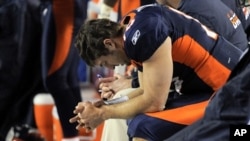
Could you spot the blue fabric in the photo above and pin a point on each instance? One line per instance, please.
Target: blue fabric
(218, 17)
(151, 129)
(83, 71)
(230, 106)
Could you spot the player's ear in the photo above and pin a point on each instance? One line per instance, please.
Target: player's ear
(108, 43)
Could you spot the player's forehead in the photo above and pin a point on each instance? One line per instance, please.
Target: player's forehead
(102, 60)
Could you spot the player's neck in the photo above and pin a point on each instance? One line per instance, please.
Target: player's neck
(173, 3)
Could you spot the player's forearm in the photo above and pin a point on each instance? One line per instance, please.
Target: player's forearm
(135, 93)
(134, 106)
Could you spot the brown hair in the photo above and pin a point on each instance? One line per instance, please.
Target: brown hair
(89, 40)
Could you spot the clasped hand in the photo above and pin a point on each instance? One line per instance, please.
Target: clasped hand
(88, 115)
(111, 85)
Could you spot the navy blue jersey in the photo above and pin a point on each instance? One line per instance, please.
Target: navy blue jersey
(219, 18)
(202, 59)
(242, 12)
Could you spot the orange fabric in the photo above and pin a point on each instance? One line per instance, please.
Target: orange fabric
(184, 115)
(96, 1)
(99, 132)
(57, 129)
(44, 122)
(116, 7)
(212, 71)
(128, 5)
(130, 69)
(133, 62)
(64, 16)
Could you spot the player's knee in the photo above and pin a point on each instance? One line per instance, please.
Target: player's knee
(137, 129)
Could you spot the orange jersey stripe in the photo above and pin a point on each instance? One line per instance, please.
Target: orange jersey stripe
(134, 63)
(211, 71)
(63, 15)
(186, 114)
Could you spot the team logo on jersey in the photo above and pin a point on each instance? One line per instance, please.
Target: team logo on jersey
(135, 37)
(246, 12)
(234, 19)
(177, 85)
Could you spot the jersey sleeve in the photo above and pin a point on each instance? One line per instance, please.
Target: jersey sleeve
(144, 36)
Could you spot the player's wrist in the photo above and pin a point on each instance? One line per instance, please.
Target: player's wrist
(105, 114)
